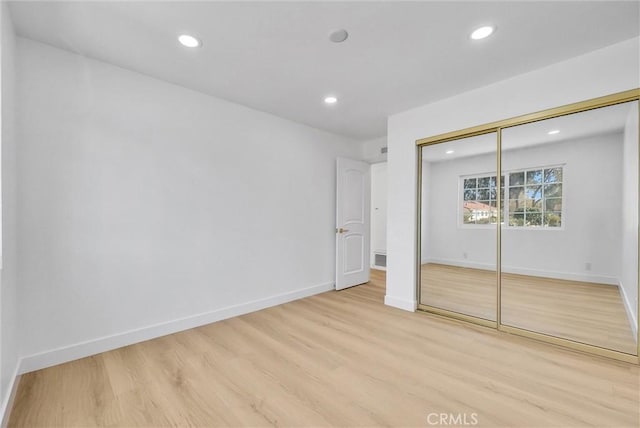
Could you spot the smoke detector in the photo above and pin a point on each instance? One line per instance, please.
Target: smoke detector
(338, 36)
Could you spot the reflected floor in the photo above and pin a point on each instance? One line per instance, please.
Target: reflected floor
(463, 290)
(581, 311)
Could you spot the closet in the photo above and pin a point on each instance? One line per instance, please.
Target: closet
(530, 225)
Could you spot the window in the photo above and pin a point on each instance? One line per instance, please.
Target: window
(534, 198)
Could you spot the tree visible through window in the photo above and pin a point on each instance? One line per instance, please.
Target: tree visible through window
(534, 198)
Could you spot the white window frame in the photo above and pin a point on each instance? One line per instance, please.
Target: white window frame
(505, 205)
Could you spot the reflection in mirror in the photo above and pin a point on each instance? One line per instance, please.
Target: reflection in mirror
(570, 231)
(458, 226)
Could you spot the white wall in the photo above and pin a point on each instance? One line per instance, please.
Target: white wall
(589, 205)
(378, 210)
(629, 280)
(605, 71)
(147, 208)
(371, 150)
(8, 275)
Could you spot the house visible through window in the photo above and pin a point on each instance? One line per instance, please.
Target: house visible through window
(479, 200)
(534, 198)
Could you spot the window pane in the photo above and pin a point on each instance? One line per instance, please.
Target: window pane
(516, 193)
(483, 194)
(483, 208)
(534, 192)
(479, 212)
(467, 217)
(534, 177)
(492, 181)
(484, 181)
(553, 204)
(502, 181)
(553, 175)
(533, 218)
(483, 219)
(516, 219)
(469, 183)
(534, 205)
(552, 190)
(553, 219)
(516, 206)
(470, 195)
(516, 178)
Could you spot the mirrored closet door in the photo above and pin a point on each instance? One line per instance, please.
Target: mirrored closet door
(458, 227)
(530, 225)
(569, 239)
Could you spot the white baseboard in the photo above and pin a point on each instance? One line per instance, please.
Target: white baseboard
(570, 276)
(407, 305)
(92, 347)
(461, 263)
(7, 403)
(628, 306)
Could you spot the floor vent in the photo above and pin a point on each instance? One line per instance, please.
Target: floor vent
(380, 259)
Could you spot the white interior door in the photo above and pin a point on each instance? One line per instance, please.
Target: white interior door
(352, 223)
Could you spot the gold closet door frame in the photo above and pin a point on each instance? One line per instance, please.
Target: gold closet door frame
(497, 127)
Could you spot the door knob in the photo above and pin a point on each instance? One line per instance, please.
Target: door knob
(341, 230)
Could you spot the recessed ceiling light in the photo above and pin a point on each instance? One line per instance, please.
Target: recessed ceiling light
(554, 132)
(482, 32)
(338, 36)
(449, 152)
(330, 100)
(189, 41)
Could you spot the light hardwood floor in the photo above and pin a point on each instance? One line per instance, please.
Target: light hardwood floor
(580, 311)
(335, 359)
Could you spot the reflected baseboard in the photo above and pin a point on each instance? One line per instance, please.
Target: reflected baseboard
(630, 312)
(461, 263)
(569, 276)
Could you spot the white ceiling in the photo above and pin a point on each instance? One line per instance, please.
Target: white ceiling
(599, 121)
(276, 56)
